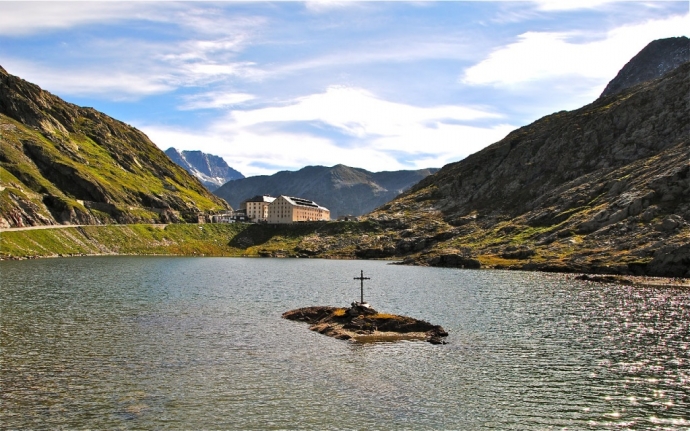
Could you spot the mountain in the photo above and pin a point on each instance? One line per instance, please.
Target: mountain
(341, 189)
(61, 163)
(601, 189)
(655, 60)
(211, 170)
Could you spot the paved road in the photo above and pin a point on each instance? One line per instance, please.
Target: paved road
(60, 226)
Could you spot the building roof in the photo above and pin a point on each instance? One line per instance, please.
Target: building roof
(303, 202)
(261, 198)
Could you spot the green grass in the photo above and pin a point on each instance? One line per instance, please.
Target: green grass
(236, 239)
(125, 167)
(127, 239)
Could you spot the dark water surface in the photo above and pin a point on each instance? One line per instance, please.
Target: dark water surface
(198, 343)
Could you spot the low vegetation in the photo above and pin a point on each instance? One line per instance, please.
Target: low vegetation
(60, 163)
(237, 239)
(140, 239)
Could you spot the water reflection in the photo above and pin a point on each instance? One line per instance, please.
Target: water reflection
(199, 343)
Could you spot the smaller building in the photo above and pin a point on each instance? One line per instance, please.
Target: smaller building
(347, 218)
(256, 208)
(288, 209)
(240, 215)
(224, 217)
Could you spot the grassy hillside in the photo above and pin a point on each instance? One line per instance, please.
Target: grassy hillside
(299, 240)
(60, 163)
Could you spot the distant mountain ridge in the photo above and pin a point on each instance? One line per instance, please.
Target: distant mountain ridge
(654, 61)
(61, 163)
(211, 170)
(342, 189)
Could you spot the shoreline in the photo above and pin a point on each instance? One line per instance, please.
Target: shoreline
(622, 280)
(232, 240)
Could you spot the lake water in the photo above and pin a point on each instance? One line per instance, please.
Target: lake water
(198, 343)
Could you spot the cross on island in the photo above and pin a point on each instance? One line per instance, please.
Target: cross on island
(361, 278)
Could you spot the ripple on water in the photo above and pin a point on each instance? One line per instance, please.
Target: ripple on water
(132, 342)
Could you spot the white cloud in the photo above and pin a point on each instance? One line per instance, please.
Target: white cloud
(447, 142)
(386, 135)
(210, 19)
(388, 51)
(133, 65)
(355, 112)
(126, 69)
(263, 154)
(322, 6)
(214, 100)
(21, 18)
(555, 5)
(119, 85)
(199, 71)
(540, 56)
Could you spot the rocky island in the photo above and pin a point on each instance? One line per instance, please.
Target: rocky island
(363, 324)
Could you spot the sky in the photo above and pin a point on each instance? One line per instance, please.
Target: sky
(385, 85)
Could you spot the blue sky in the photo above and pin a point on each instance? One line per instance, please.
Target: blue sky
(275, 86)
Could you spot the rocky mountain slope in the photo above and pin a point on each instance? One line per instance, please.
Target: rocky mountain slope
(61, 163)
(211, 170)
(341, 189)
(654, 61)
(603, 189)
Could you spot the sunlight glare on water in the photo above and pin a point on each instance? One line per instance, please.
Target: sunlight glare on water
(191, 343)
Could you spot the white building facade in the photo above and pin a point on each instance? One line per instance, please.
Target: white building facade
(287, 209)
(257, 208)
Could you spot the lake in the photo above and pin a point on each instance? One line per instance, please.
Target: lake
(198, 343)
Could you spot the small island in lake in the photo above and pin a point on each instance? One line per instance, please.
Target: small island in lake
(362, 323)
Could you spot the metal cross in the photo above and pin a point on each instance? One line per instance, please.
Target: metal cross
(361, 278)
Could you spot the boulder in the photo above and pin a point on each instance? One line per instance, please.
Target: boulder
(454, 261)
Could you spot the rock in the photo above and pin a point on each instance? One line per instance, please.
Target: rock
(671, 260)
(309, 314)
(359, 309)
(211, 170)
(407, 245)
(670, 223)
(360, 322)
(436, 340)
(375, 252)
(649, 214)
(656, 59)
(455, 261)
(517, 253)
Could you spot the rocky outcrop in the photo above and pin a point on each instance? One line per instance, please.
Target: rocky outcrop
(211, 170)
(341, 189)
(364, 324)
(604, 189)
(61, 163)
(654, 61)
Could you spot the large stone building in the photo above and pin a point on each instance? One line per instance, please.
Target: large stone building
(286, 209)
(257, 208)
